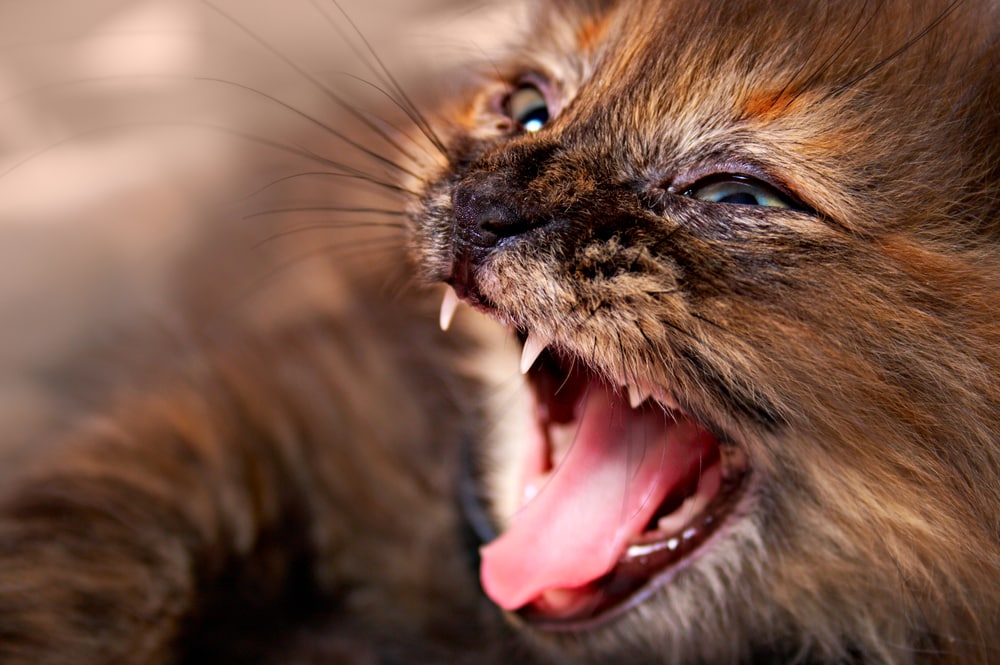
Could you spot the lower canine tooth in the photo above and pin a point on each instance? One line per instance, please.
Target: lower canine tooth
(708, 487)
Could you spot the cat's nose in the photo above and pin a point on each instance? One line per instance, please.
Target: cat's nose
(487, 208)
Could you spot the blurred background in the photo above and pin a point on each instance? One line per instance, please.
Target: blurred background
(124, 123)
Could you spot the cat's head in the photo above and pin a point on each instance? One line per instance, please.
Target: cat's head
(750, 251)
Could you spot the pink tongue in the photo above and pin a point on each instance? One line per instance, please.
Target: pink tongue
(620, 468)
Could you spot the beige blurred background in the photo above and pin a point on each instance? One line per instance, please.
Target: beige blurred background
(108, 159)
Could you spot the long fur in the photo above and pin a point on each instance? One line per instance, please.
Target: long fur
(283, 487)
(851, 348)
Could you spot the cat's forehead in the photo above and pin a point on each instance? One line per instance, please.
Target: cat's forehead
(666, 77)
(636, 61)
(705, 51)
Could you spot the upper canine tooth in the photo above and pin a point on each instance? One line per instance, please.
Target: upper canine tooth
(637, 395)
(533, 347)
(448, 307)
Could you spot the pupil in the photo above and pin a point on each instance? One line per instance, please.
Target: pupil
(744, 198)
(535, 118)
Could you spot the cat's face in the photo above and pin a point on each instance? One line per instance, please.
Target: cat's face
(751, 245)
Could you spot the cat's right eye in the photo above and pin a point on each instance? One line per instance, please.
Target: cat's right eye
(739, 190)
(528, 107)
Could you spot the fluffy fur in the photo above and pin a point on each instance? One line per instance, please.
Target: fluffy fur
(851, 349)
(304, 471)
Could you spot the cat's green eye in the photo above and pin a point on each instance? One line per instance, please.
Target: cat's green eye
(527, 106)
(739, 190)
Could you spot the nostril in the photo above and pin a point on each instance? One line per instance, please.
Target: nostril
(487, 210)
(479, 215)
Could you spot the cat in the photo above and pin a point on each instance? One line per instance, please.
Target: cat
(747, 254)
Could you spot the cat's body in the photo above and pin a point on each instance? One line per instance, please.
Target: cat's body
(822, 333)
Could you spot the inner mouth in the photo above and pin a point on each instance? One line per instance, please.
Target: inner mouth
(619, 488)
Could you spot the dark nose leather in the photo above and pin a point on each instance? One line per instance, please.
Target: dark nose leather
(488, 209)
(491, 204)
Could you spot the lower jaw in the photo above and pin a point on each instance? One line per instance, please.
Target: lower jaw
(649, 563)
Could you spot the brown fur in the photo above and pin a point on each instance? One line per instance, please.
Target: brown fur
(284, 489)
(200, 522)
(851, 350)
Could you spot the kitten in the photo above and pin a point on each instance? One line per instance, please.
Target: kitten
(751, 252)
(749, 255)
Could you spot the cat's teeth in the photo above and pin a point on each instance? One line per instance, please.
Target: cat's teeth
(638, 394)
(641, 391)
(533, 347)
(448, 307)
(665, 399)
(708, 487)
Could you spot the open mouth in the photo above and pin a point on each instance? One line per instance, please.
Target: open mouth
(619, 489)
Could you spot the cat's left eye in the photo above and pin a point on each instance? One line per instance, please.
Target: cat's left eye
(740, 190)
(527, 106)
